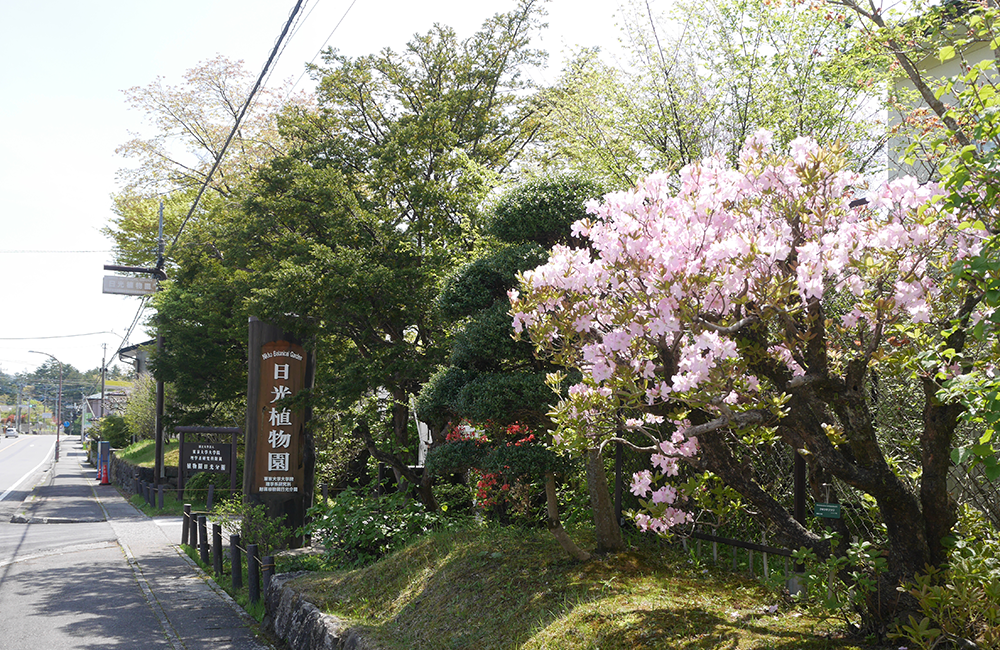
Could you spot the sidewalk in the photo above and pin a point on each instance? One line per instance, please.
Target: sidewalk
(193, 612)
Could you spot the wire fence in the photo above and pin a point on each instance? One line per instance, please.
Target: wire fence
(896, 406)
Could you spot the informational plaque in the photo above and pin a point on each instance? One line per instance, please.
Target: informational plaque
(207, 457)
(278, 464)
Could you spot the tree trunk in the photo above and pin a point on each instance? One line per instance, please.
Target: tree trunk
(606, 528)
(423, 481)
(555, 524)
(400, 421)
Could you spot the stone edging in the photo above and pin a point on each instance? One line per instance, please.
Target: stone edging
(300, 623)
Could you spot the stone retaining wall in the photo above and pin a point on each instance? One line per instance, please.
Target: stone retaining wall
(300, 623)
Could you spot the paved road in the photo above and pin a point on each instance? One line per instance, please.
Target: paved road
(80, 568)
(21, 460)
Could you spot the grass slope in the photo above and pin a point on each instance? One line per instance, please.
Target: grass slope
(143, 453)
(504, 588)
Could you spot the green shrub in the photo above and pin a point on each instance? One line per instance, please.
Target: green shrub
(113, 429)
(196, 486)
(453, 498)
(357, 530)
(961, 602)
(252, 524)
(840, 584)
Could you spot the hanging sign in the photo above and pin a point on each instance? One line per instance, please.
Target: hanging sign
(828, 510)
(129, 286)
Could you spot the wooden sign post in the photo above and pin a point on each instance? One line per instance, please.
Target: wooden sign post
(279, 466)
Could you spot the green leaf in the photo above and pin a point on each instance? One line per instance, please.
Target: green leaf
(946, 52)
(991, 468)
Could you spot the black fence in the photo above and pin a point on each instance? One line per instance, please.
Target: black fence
(260, 570)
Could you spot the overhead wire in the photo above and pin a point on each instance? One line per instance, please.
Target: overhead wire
(321, 48)
(61, 336)
(138, 313)
(59, 252)
(299, 21)
(239, 120)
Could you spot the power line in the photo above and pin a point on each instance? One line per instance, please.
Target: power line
(296, 26)
(57, 252)
(322, 46)
(62, 336)
(138, 313)
(239, 119)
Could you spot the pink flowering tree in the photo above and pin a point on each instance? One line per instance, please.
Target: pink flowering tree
(753, 304)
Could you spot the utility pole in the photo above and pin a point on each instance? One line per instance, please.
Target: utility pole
(157, 272)
(17, 421)
(104, 373)
(159, 471)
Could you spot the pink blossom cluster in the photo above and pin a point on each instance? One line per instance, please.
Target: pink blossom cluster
(679, 271)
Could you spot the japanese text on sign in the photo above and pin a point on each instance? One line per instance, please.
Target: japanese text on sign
(278, 454)
(207, 457)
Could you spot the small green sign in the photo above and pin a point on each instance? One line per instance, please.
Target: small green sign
(828, 510)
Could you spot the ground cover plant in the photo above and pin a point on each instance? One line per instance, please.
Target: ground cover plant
(143, 453)
(500, 588)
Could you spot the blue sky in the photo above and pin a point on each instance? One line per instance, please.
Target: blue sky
(65, 63)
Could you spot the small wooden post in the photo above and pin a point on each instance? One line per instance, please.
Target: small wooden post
(217, 549)
(159, 496)
(763, 541)
(235, 558)
(185, 522)
(253, 573)
(268, 567)
(193, 543)
(203, 538)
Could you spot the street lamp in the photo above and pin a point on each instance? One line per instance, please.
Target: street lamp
(58, 398)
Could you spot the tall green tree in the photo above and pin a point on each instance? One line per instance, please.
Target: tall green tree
(954, 132)
(701, 79)
(200, 310)
(354, 230)
(490, 376)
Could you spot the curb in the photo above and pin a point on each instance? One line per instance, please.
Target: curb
(21, 519)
